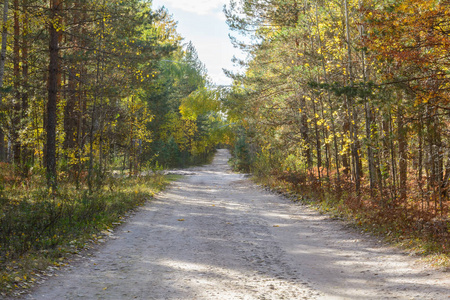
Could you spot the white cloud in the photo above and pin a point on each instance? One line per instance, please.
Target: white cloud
(200, 7)
(203, 23)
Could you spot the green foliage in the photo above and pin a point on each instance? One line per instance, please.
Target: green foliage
(189, 121)
(242, 158)
(360, 90)
(168, 153)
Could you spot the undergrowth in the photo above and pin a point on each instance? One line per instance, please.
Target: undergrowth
(428, 238)
(40, 230)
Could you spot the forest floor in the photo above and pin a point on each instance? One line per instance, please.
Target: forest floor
(216, 235)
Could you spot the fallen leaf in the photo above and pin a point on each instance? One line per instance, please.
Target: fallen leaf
(181, 220)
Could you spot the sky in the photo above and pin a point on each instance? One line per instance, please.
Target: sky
(203, 23)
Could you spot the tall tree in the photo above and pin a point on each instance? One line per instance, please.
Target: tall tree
(2, 70)
(54, 28)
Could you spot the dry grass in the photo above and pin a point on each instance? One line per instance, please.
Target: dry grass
(40, 230)
(421, 226)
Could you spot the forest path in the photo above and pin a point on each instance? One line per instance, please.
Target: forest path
(216, 235)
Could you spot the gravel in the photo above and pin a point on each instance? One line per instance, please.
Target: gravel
(216, 235)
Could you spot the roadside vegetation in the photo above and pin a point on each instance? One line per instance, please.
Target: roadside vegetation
(344, 104)
(40, 231)
(428, 241)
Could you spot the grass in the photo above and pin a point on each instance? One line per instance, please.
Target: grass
(40, 230)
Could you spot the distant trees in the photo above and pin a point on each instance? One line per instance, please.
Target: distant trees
(188, 123)
(348, 96)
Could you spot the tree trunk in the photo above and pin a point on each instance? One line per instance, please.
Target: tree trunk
(385, 160)
(71, 117)
(402, 148)
(393, 161)
(15, 124)
(304, 131)
(420, 150)
(26, 153)
(445, 181)
(318, 145)
(53, 79)
(2, 70)
(420, 160)
(345, 160)
(4, 43)
(351, 108)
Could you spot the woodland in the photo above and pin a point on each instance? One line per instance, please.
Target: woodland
(97, 97)
(343, 104)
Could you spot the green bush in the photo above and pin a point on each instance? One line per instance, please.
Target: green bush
(242, 159)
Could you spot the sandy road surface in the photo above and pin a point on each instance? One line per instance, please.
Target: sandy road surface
(215, 235)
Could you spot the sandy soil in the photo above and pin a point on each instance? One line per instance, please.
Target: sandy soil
(215, 235)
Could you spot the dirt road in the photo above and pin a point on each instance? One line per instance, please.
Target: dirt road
(215, 235)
